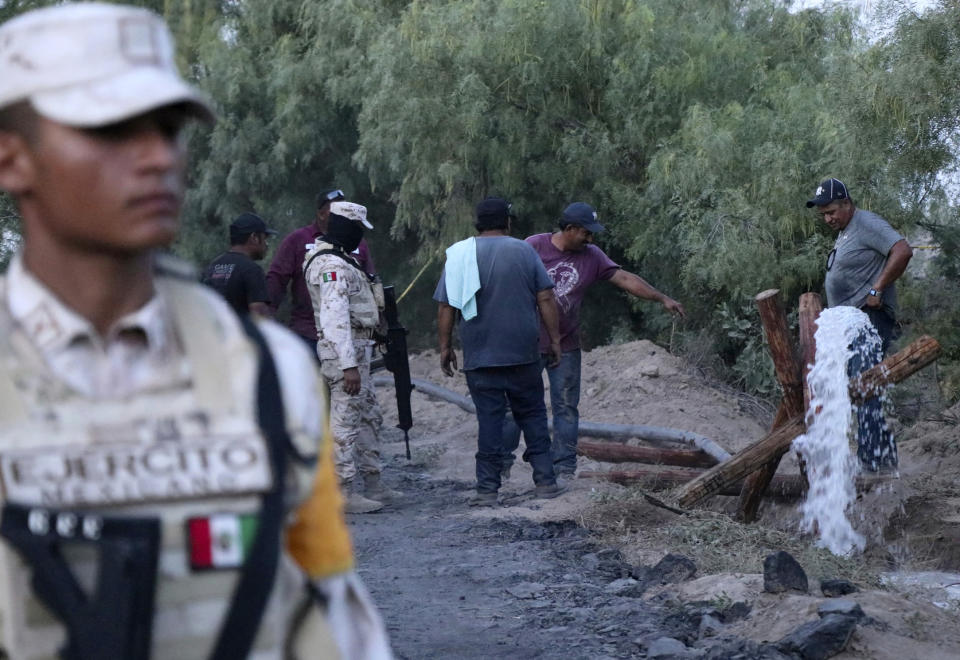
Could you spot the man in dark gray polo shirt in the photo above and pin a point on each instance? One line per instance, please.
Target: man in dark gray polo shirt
(868, 257)
(497, 284)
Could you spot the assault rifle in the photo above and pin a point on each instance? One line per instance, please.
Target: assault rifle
(397, 362)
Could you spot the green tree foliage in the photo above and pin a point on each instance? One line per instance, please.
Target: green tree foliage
(698, 129)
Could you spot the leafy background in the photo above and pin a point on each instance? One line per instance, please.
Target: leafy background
(697, 129)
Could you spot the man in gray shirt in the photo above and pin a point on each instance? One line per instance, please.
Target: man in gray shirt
(497, 284)
(867, 258)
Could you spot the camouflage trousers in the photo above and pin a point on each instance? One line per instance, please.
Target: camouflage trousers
(355, 421)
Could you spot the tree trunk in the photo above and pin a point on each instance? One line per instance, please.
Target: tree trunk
(617, 453)
(894, 369)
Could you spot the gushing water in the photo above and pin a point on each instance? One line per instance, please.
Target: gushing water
(825, 447)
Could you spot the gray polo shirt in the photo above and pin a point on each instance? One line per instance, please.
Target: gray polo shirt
(858, 257)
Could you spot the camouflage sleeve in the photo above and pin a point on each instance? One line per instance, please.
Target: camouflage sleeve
(334, 314)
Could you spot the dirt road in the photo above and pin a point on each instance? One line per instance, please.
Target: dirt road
(455, 582)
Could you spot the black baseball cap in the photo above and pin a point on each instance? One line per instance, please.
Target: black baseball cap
(495, 208)
(829, 190)
(581, 213)
(250, 223)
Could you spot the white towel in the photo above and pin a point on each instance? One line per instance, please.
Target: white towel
(462, 277)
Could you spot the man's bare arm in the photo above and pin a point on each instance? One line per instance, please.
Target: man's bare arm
(261, 309)
(639, 287)
(897, 260)
(547, 303)
(446, 315)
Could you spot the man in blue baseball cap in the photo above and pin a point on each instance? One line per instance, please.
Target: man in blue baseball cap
(574, 263)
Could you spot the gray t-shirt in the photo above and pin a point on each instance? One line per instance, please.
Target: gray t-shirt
(858, 257)
(507, 325)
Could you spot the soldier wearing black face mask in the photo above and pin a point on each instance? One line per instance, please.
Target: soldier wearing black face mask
(347, 312)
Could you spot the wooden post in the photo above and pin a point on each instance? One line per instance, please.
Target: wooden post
(614, 452)
(810, 308)
(789, 372)
(894, 369)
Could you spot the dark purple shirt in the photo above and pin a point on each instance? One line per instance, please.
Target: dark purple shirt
(572, 273)
(287, 266)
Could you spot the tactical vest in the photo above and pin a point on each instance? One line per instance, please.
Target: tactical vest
(364, 309)
(191, 456)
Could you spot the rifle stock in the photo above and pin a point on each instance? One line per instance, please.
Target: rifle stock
(397, 362)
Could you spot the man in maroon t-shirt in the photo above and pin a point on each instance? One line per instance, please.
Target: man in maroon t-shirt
(574, 263)
(287, 267)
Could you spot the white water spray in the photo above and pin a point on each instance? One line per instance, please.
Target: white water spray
(825, 447)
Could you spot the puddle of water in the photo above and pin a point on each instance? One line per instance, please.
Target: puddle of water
(831, 467)
(940, 589)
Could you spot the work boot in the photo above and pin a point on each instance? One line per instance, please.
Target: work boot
(483, 499)
(355, 502)
(548, 491)
(374, 488)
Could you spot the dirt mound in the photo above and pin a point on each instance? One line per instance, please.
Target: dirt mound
(634, 383)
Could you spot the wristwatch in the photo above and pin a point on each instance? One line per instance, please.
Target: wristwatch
(875, 292)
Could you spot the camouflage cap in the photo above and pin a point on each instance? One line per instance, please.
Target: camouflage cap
(92, 64)
(351, 211)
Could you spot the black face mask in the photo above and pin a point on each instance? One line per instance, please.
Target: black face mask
(344, 232)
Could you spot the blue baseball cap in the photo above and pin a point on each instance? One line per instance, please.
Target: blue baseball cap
(581, 213)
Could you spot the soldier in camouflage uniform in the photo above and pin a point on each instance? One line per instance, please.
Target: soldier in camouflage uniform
(147, 433)
(347, 310)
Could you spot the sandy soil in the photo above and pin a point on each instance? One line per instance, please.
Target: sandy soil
(911, 521)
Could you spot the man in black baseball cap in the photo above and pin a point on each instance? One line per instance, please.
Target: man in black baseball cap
(234, 274)
(498, 288)
(829, 190)
(868, 257)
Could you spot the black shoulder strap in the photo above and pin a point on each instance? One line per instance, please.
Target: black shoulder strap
(340, 253)
(250, 596)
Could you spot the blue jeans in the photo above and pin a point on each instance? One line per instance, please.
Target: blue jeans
(520, 386)
(876, 448)
(564, 400)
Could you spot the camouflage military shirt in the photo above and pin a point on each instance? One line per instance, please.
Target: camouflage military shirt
(343, 304)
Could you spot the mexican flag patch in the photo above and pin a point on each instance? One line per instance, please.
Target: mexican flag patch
(330, 277)
(220, 541)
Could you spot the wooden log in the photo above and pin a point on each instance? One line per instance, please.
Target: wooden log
(617, 453)
(894, 369)
(789, 373)
(780, 486)
(655, 434)
(809, 312)
(786, 365)
(783, 486)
